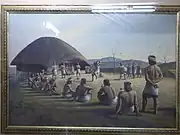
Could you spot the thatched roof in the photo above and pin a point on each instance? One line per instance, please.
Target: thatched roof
(43, 52)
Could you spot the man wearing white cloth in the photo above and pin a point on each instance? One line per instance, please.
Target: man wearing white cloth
(153, 75)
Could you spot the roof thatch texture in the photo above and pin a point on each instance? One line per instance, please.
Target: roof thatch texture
(43, 52)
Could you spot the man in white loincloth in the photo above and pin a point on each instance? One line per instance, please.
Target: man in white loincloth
(122, 71)
(153, 75)
(63, 70)
(78, 71)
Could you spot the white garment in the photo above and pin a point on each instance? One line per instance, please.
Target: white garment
(78, 70)
(151, 90)
(64, 72)
(55, 71)
(115, 100)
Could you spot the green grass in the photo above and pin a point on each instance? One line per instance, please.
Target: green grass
(172, 71)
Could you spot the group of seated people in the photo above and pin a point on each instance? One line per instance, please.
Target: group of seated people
(82, 92)
(38, 80)
(125, 101)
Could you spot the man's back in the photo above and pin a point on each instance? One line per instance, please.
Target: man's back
(127, 101)
(154, 73)
(82, 90)
(109, 92)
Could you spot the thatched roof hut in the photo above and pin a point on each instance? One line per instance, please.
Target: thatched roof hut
(43, 52)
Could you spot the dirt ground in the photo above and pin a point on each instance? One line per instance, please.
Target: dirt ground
(33, 107)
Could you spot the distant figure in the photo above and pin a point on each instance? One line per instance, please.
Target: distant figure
(52, 85)
(94, 74)
(42, 73)
(31, 80)
(72, 69)
(63, 70)
(36, 80)
(133, 70)
(107, 95)
(67, 90)
(98, 68)
(122, 71)
(67, 69)
(54, 70)
(44, 84)
(78, 71)
(153, 75)
(83, 92)
(138, 71)
(127, 100)
(129, 71)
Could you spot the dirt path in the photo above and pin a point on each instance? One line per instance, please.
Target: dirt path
(53, 110)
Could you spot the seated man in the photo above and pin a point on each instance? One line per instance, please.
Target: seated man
(67, 90)
(127, 100)
(52, 85)
(44, 84)
(106, 94)
(83, 93)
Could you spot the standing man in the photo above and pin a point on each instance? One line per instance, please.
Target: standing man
(138, 71)
(98, 68)
(63, 70)
(78, 70)
(129, 71)
(94, 74)
(122, 71)
(72, 69)
(133, 70)
(54, 69)
(153, 75)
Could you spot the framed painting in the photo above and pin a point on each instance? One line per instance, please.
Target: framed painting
(90, 69)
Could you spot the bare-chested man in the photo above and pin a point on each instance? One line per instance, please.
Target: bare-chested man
(83, 92)
(127, 101)
(153, 75)
(67, 90)
(106, 94)
(78, 70)
(63, 70)
(138, 71)
(122, 71)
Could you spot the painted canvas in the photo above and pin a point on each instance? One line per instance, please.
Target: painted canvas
(92, 70)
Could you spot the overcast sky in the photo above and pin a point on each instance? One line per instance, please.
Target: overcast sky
(98, 35)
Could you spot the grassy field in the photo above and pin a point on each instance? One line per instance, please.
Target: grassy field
(32, 107)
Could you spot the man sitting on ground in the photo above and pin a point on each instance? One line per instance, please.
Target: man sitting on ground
(127, 100)
(83, 93)
(67, 90)
(106, 94)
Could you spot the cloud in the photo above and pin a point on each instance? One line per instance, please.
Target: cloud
(94, 35)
